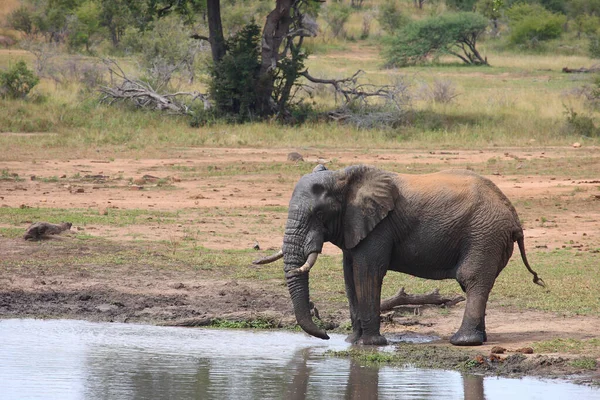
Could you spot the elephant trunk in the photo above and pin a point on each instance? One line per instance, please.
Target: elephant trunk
(298, 287)
(300, 248)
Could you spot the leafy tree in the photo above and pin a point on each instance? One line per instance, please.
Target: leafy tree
(21, 20)
(116, 16)
(235, 76)
(390, 17)
(85, 25)
(336, 15)
(461, 5)
(491, 9)
(576, 8)
(452, 33)
(168, 48)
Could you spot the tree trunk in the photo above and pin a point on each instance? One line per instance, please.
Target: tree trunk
(215, 30)
(275, 31)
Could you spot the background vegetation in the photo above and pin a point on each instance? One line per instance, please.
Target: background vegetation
(522, 97)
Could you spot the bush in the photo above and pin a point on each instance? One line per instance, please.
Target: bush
(532, 30)
(21, 20)
(578, 124)
(166, 50)
(17, 81)
(390, 17)
(531, 24)
(336, 15)
(594, 46)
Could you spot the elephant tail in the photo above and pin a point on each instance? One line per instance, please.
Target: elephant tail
(520, 240)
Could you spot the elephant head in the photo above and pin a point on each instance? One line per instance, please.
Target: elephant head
(341, 207)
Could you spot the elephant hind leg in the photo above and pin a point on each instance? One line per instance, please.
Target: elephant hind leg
(477, 282)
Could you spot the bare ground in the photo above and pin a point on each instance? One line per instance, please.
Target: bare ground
(236, 198)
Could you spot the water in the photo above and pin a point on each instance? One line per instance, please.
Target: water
(82, 360)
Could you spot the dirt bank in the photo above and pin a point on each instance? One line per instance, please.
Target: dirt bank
(135, 220)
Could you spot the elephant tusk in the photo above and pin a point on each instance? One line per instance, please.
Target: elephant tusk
(310, 262)
(268, 259)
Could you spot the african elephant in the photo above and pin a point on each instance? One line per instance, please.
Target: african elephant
(450, 224)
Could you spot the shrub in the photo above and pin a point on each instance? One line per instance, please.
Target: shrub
(390, 17)
(531, 24)
(21, 19)
(167, 49)
(594, 46)
(17, 81)
(336, 15)
(578, 124)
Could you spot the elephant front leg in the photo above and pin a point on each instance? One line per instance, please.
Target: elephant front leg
(368, 281)
(352, 301)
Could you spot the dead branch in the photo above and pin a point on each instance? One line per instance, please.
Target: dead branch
(581, 70)
(143, 95)
(355, 93)
(41, 230)
(350, 88)
(403, 298)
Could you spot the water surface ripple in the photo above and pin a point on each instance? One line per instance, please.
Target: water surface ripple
(64, 359)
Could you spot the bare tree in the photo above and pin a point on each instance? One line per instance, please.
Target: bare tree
(143, 95)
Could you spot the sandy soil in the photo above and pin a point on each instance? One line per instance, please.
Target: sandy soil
(237, 198)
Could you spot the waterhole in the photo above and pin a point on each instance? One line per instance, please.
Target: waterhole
(63, 359)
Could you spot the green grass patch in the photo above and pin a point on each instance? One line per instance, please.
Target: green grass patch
(12, 233)
(258, 323)
(83, 217)
(568, 345)
(571, 278)
(586, 363)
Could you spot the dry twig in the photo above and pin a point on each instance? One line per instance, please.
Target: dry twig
(143, 95)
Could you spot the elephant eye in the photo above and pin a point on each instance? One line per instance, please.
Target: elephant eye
(319, 214)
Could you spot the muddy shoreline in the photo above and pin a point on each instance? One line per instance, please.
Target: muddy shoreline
(178, 297)
(170, 242)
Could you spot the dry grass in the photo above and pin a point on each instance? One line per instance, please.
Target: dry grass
(7, 6)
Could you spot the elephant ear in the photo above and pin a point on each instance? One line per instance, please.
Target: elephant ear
(370, 194)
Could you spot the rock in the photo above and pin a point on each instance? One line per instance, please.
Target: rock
(106, 307)
(295, 157)
(576, 145)
(41, 230)
(498, 350)
(525, 350)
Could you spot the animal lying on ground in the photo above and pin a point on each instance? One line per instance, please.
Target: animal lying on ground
(41, 230)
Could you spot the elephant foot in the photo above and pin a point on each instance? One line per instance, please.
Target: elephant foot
(353, 337)
(373, 340)
(472, 338)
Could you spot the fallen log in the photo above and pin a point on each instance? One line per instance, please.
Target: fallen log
(41, 230)
(402, 298)
(581, 70)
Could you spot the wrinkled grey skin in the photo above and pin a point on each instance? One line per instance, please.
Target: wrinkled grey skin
(448, 225)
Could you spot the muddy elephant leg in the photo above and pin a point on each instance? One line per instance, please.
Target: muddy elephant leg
(368, 273)
(352, 301)
(477, 284)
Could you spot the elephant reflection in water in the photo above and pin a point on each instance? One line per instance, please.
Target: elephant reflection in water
(363, 382)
